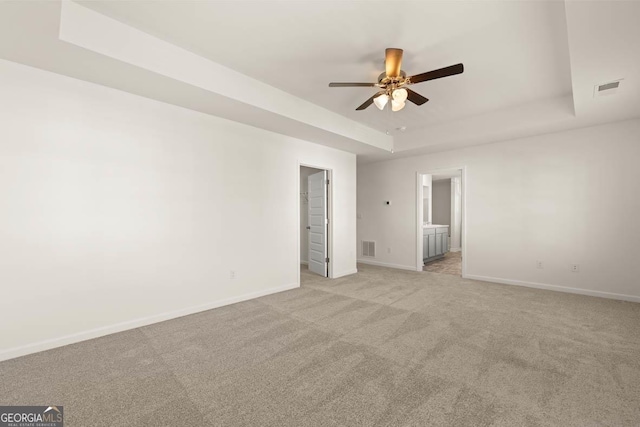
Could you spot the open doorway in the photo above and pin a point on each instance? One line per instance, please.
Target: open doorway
(315, 192)
(440, 225)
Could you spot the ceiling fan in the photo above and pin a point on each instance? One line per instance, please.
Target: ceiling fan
(393, 83)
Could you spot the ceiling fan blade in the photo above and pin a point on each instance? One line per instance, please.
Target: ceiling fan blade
(437, 74)
(367, 102)
(352, 84)
(415, 97)
(393, 62)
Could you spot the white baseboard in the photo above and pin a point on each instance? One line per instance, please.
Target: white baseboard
(455, 249)
(556, 288)
(384, 264)
(345, 273)
(304, 262)
(132, 324)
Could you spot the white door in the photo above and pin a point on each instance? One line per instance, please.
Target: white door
(318, 223)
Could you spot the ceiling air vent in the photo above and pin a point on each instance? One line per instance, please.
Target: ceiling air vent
(606, 88)
(369, 249)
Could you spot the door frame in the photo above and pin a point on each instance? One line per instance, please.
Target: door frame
(330, 217)
(419, 214)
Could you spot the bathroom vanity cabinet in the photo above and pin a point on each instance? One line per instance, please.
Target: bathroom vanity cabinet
(435, 242)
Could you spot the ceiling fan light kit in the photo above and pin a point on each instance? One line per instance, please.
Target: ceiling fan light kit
(381, 101)
(400, 95)
(397, 105)
(394, 80)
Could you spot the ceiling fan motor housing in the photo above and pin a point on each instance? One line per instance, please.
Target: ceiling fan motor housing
(384, 80)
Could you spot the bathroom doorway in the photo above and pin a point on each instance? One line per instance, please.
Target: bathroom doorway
(440, 221)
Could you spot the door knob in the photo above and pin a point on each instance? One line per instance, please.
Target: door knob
(308, 227)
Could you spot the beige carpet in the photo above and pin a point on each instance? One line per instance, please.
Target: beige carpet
(382, 347)
(451, 263)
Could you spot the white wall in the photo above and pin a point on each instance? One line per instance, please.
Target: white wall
(304, 212)
(455, 231)
(442, 202)
(427, 198)
(562, 198)
(118, 211)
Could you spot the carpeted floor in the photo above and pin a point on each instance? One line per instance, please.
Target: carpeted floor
(450, 264)
(381, 347)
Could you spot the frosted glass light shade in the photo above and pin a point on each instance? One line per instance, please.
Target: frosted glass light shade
(400, 95)
(381, 101)
(396, 105)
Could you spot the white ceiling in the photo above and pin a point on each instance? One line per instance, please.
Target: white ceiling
(530, 66)
(604, 38)
(69, 39)
(514, 52)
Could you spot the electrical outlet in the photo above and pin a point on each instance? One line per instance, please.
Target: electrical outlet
(232, 274)
(575, 268)
(388, 250)
(539, 264)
